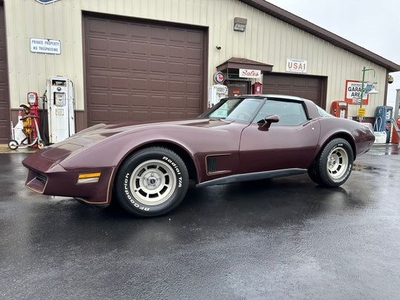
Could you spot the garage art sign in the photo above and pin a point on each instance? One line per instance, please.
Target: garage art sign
(353, 92)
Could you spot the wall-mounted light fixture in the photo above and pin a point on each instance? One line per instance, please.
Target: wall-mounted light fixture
(239, 24)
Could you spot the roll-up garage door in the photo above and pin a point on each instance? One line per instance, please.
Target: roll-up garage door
(142, 71)
(309, 87)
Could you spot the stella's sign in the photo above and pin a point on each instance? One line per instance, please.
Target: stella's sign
(249, 73)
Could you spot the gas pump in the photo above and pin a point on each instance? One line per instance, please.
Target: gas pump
(396, 120)
(383, 119)
(215, 93)
(339, 109)
(60, 108)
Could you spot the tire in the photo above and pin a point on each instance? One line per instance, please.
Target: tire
(40, 144)
(151, 182)
(333, 166)
(13, 145)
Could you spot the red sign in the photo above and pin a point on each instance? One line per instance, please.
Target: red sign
(353, 92)
(219, 77)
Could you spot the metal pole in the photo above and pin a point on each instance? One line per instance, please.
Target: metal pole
(362, 86)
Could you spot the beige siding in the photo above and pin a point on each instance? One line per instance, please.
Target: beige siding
(266, 39)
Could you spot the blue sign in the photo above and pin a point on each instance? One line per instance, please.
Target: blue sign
(46, 1)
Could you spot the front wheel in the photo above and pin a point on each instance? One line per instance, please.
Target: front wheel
(333, 166)
(13, 145)
(151, 182)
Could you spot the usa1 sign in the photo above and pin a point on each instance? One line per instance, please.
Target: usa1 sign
(296, 65)
(353, 92)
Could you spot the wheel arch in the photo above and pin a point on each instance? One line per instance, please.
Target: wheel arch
(179, 150)
(343, 135)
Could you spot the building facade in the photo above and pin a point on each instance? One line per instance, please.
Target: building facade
(155, 59)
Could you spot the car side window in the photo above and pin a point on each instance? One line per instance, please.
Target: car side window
(289, 112)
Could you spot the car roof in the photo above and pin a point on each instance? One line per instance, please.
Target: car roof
(275, 96)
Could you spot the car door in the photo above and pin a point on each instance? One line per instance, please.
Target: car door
(290, 143)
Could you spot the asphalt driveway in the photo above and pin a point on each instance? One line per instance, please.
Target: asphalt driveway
(278, 239)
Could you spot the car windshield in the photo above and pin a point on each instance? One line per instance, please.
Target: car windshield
(235, 109)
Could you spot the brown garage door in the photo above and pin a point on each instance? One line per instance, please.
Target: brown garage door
(5, 126)
(142, 71)
(309, 87)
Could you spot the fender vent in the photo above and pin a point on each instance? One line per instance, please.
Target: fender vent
(212, 164)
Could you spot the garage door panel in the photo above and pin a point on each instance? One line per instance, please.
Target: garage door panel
(157, 85)
(194, 70)
(177, 102)
(139, 48)
(158, 50)
(176, 36)
(177, 52)
(118, 46)
(99, 98)
(177, 87)
(158, 67)
(119, 83)
(98, 62)
(97, 44)
(100, 115)
(98, 81)
(138, 64)
(158, 33)
(152, 71)
(118, 28)
(195, 38)
(176, 68)
(139, 84)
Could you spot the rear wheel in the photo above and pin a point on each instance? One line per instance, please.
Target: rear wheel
(333, 166)
(151, 182)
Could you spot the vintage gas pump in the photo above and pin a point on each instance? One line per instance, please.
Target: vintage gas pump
(257, 88)
(215, 93)
(60, 108)
(383, 119)
(339, 109)
(33, 100)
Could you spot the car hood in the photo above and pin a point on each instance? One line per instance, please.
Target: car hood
(103, 131)
(110, 135)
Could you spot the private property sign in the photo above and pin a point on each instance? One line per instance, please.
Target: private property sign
(46, 46)
(353, 92)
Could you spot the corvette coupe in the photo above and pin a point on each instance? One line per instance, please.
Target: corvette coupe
(147, 167)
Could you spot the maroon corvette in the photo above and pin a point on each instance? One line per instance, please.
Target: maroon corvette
(147, 167)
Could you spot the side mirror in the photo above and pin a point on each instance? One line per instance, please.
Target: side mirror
(265, 123)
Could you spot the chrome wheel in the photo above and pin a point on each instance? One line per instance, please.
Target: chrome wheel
(153, 182)
(337, 162)
(332, 167)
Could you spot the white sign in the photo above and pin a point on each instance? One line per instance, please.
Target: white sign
(296, 65)
(248, 73)
(45, 46)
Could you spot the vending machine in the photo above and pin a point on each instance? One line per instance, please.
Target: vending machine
(215, 93)
(60, 108)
